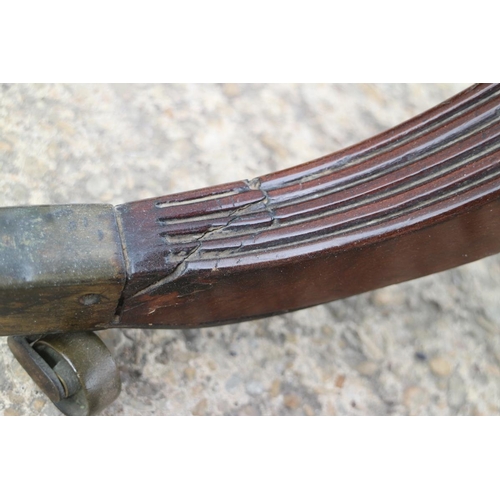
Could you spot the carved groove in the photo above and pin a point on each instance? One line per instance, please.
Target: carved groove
(313, 206)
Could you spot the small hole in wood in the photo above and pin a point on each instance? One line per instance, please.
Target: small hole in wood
(90, 299)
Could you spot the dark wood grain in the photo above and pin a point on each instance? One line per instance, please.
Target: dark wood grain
(420, 198)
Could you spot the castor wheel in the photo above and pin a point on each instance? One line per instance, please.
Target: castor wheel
(75, 370)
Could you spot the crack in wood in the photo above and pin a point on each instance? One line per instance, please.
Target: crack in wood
(235, 215)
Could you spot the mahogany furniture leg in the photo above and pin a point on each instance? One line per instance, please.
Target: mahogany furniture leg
(417, 199)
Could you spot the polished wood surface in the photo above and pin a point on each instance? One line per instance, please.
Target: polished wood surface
(420, 198)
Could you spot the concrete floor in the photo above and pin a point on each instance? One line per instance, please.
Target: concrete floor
(427, 347)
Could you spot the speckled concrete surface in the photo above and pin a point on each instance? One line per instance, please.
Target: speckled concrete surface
(431, 346)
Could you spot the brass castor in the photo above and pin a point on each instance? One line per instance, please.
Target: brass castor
(75, 370)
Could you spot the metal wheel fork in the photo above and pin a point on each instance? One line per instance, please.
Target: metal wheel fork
(76, 371)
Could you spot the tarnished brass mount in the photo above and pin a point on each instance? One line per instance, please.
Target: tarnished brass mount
(61, 268)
